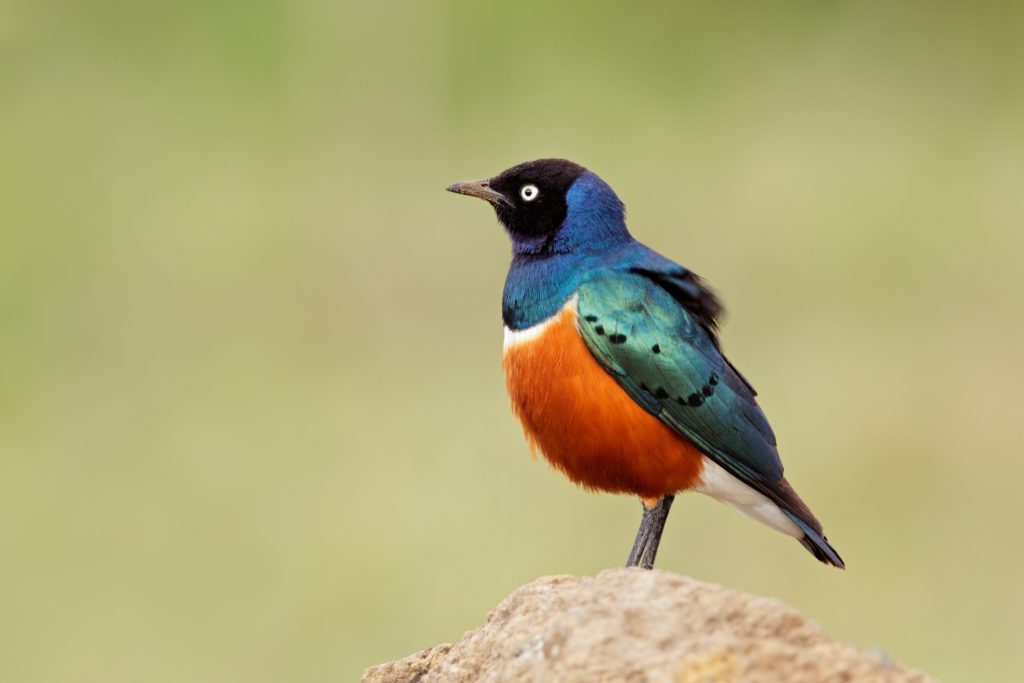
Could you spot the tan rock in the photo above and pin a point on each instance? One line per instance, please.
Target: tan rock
(642, 626)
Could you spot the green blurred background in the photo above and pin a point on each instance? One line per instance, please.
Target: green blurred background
(252, 418)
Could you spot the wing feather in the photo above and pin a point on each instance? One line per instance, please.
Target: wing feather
(651, 324)
(667, 359)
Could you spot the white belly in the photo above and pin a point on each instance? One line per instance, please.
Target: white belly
(716, 482)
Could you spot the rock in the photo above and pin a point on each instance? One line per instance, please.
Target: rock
(642, 626)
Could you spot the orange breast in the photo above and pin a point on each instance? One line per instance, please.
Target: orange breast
(585, 424)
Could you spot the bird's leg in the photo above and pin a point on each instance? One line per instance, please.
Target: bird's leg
(642, 537)
(657, 527)
(648, 536)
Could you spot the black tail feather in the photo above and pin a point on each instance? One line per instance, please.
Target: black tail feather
(817, 543)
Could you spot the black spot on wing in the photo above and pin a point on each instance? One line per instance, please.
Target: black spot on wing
(697, 398)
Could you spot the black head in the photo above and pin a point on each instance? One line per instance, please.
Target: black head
(530, 199)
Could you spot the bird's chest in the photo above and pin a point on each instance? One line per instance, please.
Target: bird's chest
(583, 422)
(547, 374)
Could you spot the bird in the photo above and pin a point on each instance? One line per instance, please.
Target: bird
(614, 366)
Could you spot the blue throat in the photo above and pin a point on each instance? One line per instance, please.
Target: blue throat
(546, 270)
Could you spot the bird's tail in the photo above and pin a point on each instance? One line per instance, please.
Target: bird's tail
(796, 509)
(816, 542)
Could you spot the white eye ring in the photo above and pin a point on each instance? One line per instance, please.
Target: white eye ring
(529, 192)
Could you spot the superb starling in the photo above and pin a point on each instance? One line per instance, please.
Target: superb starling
(614, 366)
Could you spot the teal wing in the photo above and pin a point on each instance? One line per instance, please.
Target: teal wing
(668, 360)
(653, 330)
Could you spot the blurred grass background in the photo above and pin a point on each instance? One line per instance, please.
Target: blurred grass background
(252, 418)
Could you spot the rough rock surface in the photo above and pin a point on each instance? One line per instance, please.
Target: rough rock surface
(642, 626)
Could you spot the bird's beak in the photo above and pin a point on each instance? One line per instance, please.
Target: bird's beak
(481, 189)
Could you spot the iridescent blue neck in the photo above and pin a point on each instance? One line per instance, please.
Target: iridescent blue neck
(547, 269)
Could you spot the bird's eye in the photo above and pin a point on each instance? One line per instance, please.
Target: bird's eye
(529, 193)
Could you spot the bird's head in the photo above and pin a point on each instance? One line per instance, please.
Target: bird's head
(552, 205)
